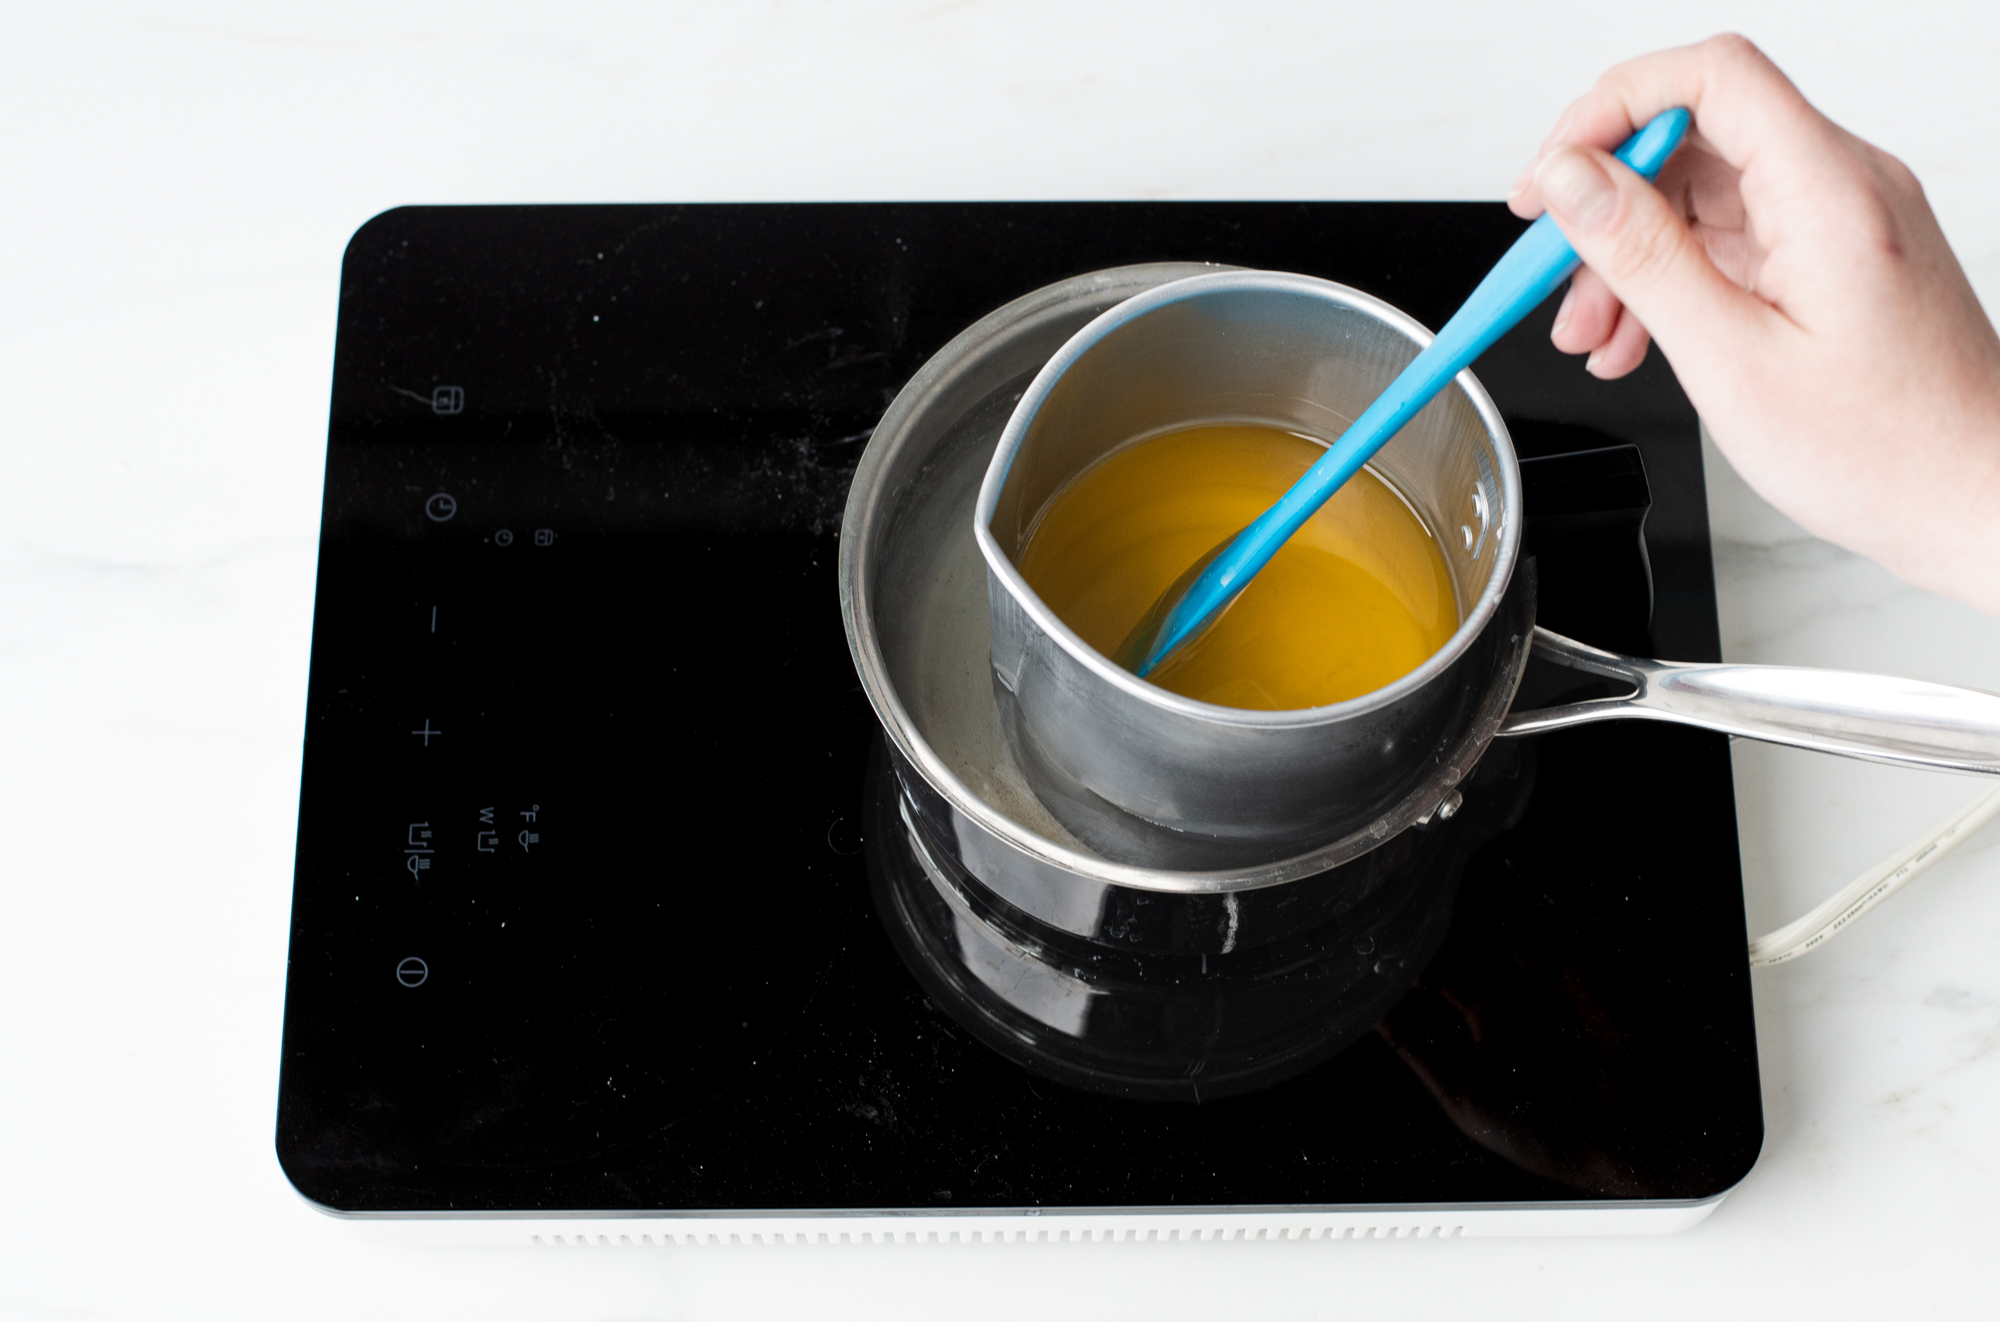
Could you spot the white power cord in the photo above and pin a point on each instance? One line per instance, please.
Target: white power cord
(1875, 885)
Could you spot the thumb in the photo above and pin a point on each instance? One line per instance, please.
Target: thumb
(1625, 230)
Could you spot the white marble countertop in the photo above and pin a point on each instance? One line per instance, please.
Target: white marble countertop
(180, 181)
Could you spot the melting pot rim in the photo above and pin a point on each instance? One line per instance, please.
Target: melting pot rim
(1506, 545)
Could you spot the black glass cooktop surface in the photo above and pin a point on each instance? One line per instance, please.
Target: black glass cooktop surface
(582, 916)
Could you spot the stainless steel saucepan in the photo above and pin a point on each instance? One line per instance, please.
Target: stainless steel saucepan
(920, 602)
(1147, 776)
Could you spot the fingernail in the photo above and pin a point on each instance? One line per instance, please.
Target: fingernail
(1590, 363)
(1521, 183)
(1562, 312)
(1576, 188)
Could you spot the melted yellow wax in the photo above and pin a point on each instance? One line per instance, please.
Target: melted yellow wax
(1359, 596)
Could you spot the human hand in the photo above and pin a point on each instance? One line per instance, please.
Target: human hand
(1799, 285)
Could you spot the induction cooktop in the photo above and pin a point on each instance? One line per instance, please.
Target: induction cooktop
(584, 943)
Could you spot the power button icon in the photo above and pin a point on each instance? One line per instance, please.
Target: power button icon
(412, 972)
(441, 507)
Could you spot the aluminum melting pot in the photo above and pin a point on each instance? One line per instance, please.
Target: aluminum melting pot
(1148, 775)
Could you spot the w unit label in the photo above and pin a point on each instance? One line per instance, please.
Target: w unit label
(494, 829)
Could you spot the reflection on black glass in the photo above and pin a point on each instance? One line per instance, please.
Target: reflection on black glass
(1528, 1063)
(1550, 1041)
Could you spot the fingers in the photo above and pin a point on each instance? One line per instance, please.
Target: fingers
(1588, 315)
(1591, 320)
(1742, 104)
(1641, 264)
(1639, 247)
(1623, 350)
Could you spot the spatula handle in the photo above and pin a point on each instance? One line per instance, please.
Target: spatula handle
(1540, 260)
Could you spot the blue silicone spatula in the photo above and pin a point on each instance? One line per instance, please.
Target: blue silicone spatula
(1539, 261)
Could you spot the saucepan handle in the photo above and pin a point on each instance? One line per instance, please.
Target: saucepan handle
(1902, 721)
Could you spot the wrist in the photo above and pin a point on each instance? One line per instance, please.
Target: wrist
(1949, 542)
